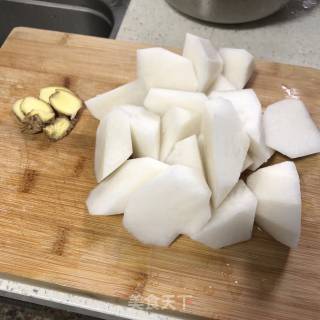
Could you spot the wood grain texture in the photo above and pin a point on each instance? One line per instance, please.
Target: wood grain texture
(47, 234)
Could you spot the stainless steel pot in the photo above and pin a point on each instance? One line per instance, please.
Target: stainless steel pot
(228, 11)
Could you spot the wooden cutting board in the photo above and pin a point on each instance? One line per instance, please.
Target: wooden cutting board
(47, 235)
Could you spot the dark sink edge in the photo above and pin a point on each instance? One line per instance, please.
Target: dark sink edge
(111, 12)
(119, 10)
(63, 5)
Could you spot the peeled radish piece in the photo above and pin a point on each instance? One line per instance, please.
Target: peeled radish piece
(145, 131)
(226, 145)
(277, 189)
(222, 84)
(160, 68)
(232, 222)
(111, 195)
(186, 152)
(176, 201)
(177, 124)
(130, 93)
(238, 66)
(200, 144)
(265, 153)
(290, 129)
(161, 100)
(113, 144)
(247, 163)
(249, 109)
(205, 58)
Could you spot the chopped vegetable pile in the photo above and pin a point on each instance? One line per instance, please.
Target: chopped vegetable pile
(171, 147)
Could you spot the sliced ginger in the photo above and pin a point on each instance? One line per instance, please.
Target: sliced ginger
(46, 93)
(31, 106)
(65, 103)
(59, 128)
(17, 110)
(55, 112)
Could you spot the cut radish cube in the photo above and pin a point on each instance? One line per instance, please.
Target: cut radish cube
(160, 68)
(175, 202)
(177, 124)
(249, 109)
(145, 131)
(290, 129)
(247, 163)
(238, 66)
(232, 222)
(113, 144)
(130, 93)
(186, 152)
(226, 145)
(205, 58)
(261, 155)
(161, 100)
(111, 195)
(222, 84)
(277, 189)
(201, 144)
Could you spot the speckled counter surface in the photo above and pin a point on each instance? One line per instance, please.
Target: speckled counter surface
(290, 36)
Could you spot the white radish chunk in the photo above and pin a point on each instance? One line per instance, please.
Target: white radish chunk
(201, 144)
(177, 124)
(186, 152)
(249, 109)
(205, 58)
(113, 144)
(222, 84)
(111, 195)
(145, 131)
(277, 189)
(260, 154)
(161, 68)
(232, 222)
(175, 202)
(247, 163)
(161, 100)
(226, 145)
(290, 129)
(130, 93)
(238, 66)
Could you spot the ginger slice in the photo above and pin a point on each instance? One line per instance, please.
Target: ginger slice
(47, 92)
(31, 106)
(16, 108)
(58, 129)
(65, 103)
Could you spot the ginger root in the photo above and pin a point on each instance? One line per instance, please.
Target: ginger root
(65, 103)
(32, 106)
(55, 112)
(58, 129)
(32, 124)
(47, 92)
(17, 110)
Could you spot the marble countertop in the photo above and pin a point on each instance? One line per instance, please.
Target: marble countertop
(290, 36)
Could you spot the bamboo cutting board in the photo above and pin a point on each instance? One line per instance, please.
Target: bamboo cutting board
(47, 235)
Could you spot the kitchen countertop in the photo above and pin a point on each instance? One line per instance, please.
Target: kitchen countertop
(290, 36)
